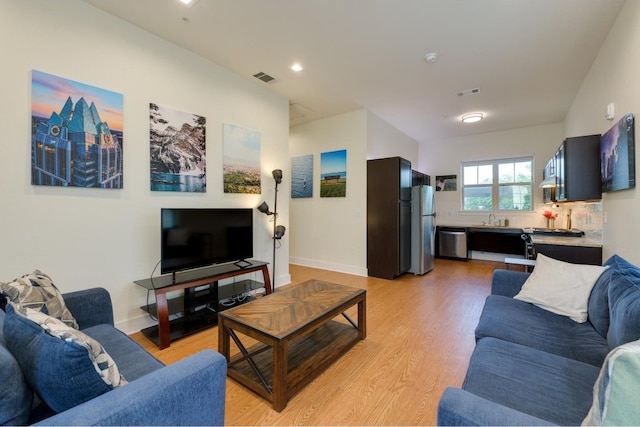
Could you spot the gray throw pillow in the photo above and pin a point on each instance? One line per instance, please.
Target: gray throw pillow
(37, 291)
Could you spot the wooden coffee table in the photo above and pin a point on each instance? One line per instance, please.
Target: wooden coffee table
(300, 332)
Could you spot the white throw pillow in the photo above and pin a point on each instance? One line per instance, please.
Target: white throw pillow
(561, 287)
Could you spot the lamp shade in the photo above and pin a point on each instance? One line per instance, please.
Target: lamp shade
(279, 232)
(277, 175)
(264, 208)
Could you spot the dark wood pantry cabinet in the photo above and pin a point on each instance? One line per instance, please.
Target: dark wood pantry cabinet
(388, 217)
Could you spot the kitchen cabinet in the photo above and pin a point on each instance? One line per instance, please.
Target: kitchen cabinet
(549, 191)
(419, 178)
(575, 254)
(497, 240)
(577, 169)
(388, 217)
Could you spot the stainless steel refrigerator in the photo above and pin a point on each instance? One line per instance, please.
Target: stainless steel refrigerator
(423, 229)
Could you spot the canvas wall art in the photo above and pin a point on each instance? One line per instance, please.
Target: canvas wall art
(302, 177)
(77, 134)
(617, 156)
(446, 182)
(241, 160)
(177, 142)
(333, 174)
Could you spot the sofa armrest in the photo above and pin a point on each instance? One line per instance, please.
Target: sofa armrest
(188, 392)
(507, 283)
(458, 407)
(90, 307)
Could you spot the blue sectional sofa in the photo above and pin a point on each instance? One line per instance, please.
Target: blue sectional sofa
(189, 392)
(533, 367)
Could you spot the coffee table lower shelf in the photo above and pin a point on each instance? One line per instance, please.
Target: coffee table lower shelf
(307, 358)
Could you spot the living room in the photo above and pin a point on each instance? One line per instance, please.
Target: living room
(109, 238)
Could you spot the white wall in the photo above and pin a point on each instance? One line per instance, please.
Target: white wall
(91, 237)
(383, 140)
(330, 232)
(614, 78)
(443, 157)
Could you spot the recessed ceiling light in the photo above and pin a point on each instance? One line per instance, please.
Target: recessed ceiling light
(188, 3)
(296, 67)
(472, 117)
(431, 57)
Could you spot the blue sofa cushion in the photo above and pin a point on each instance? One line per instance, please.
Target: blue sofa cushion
(132, 360)
(547, 386)
(523, 323)
(598, 306)
(38, 292)
(15, 395)
(624, 303)
(64, 370)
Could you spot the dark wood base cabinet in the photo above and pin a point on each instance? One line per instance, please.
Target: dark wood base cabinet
(574, 254)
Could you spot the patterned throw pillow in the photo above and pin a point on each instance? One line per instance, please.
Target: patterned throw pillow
(64, 366)
(38, 292)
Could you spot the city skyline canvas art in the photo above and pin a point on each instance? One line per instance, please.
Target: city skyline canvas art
(77, 133)
(617, 156)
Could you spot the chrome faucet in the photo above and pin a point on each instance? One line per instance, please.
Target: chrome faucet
(494, 218)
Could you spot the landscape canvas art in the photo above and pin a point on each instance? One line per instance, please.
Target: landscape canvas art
(302, 177)
(333, 174)
(617, 156)
(77, 134)
(241, 160)
(177, 143)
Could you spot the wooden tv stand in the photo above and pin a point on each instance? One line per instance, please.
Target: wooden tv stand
(187, 280)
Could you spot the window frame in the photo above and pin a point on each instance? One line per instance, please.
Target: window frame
(495, 184)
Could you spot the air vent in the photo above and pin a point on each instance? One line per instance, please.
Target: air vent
(469, 92)
(263, 76)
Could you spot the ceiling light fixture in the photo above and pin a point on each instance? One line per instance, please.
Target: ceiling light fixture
(472, 117)
(188, 3)
(297, 67)
(431, 57)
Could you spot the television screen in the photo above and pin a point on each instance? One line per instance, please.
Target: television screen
(193, 238)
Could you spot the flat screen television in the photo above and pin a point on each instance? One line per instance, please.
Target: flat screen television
(193, 238)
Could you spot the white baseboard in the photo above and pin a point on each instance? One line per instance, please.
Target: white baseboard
(490, 256)
(349, 269)
(135, 324)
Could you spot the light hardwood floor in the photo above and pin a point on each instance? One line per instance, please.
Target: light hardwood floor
(419, 339)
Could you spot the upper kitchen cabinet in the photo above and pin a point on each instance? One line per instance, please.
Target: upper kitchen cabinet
(577, 169)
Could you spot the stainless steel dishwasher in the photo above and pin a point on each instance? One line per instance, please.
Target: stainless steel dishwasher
(452, 242)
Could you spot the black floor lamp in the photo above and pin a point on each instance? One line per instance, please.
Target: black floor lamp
(278, 230)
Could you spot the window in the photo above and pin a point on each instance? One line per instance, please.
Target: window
(492, 185)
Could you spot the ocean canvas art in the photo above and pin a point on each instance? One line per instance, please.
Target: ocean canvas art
(241, 160)
(77, 133)
(177, 143)
(333, 174)
(302, 177)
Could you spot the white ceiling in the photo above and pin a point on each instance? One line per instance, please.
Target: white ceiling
(527, 57)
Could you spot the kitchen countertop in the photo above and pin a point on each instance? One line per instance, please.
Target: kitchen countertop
(588, 240)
